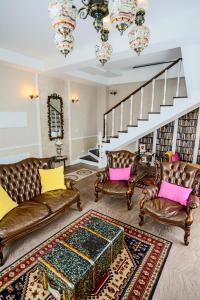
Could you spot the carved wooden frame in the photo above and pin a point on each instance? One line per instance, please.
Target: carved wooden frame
(56, 97)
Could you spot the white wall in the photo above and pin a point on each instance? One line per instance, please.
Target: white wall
(18, 126)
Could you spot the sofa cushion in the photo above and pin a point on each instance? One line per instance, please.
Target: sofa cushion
(166, 210)
(22, 217)
(114, 187)
(57, 200)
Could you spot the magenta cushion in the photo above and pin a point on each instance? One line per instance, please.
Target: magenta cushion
(120, 173)
(175, 157)
(174, 192)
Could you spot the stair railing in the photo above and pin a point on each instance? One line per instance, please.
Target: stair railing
(111, 111)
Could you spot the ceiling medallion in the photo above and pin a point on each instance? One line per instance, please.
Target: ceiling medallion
(121, 13)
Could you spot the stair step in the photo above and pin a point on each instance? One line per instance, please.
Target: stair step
(89, 158)
(132, 125)
(114, 137)
(163, 105)
(143, 119)
(95, 152)
(108, 141)
(180, 97)
(123, 131)
(154, 112)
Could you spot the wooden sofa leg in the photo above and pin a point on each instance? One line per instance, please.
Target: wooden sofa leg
(96, 194)
(141, 216)
(1, 254)
(129, 201)
(187, 234)
(79, 207)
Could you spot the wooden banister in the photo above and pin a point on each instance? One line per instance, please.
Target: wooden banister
(137, 90)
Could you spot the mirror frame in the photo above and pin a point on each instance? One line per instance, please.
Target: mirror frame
(59, 98)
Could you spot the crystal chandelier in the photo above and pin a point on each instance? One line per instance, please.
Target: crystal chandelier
(121, 13)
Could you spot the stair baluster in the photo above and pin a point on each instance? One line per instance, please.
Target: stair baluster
(122, 116)
(105, 128)
(153, 94)
(178, 78)
(165, 87)
(141, 102)
(113, 123)
(131, 111)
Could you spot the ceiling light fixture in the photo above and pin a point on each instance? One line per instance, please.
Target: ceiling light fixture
(121, 13)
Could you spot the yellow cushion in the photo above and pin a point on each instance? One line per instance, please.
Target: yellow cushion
(195, 166)
(52, 179)
(6, 203)
(169, 153)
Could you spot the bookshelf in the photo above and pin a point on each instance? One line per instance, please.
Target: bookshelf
(186, 135)
(148, 141)
(164, 140)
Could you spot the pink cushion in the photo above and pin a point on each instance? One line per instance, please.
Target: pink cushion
(175, 157)
(120, 173)
(174, 192)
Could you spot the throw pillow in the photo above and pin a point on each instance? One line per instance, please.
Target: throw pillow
(120, 173)
(175, 157)
(6, 203)
(52, 179)
(174, 192)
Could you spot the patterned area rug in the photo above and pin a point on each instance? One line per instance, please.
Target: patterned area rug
(133, 276)
(80, 174)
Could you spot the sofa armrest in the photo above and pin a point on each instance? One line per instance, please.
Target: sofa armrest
(193, 202)
(69, 183)
(150, 192)
(102, 176)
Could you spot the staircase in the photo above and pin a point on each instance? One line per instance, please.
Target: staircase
(92, 158)
(125, 123)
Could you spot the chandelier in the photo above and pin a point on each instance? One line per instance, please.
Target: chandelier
(120, 13)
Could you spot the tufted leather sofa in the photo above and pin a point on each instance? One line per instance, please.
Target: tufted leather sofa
(119, 159)
(22, 182)
(167, 211)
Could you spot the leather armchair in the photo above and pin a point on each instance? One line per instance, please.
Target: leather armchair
(119, 159)
(166, 211)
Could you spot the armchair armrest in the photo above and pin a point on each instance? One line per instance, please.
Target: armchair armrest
(69, 183)
(151, 192)
(102, 176)
(193, 202)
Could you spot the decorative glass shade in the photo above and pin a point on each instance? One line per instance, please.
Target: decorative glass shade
(139, 35)
(104, 52)
(122, 13)
(139, 38)
(64, 44)
(63, 15)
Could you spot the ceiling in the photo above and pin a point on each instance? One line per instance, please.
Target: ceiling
(25, 29)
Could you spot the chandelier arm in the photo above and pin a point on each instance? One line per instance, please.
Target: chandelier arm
(83, 13)
(86, 2)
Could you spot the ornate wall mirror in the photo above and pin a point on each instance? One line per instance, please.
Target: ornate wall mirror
(55, 117)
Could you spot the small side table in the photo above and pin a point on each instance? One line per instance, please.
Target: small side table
(60, 159)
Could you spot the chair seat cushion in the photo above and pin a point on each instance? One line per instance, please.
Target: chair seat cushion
(166, 211)
(25, 215)
(114, 187)
(57, 200)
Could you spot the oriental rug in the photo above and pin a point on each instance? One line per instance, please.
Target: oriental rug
(134, 275)
(80, 174)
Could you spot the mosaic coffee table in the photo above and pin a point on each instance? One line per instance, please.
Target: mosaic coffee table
(74, 266)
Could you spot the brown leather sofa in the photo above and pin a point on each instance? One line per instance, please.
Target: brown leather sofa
(22, 182)
(166, 211)
(119, 159)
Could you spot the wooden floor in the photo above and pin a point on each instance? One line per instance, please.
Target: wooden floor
(180, 279)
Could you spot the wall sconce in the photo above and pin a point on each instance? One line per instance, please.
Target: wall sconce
(113, 92)
(75, 99)
(32, 95)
